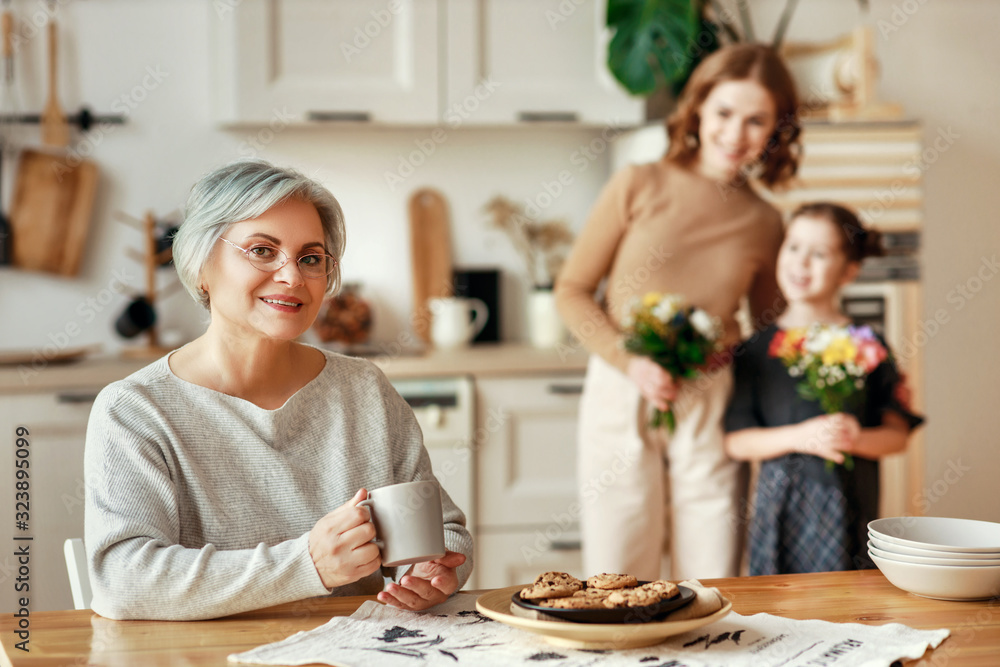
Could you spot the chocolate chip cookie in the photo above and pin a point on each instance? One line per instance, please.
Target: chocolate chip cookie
(550, 585)
(647, 594)
(612, 581)
(573, 602)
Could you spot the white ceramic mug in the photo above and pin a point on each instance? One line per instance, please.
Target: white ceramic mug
(456, 321)
(409, 522)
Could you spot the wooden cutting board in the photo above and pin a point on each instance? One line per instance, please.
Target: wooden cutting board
(430, 245)
(51, 211)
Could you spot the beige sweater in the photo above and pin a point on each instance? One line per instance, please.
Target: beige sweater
(660, 227)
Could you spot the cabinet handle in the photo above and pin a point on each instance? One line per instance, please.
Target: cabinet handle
(76, 398)
(339, 116)
(568, 545)
(566, 389)
(548, 117)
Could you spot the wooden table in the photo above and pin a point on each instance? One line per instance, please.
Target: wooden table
(83, 638)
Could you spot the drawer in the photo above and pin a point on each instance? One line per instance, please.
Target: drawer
(513, 558)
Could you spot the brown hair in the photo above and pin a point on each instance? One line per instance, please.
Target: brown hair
(737, 62)
(857, 241)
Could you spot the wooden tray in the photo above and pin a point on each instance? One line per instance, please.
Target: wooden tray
(430, 246)
(51, 210)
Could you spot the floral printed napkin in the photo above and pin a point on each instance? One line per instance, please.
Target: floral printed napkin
(454, 633)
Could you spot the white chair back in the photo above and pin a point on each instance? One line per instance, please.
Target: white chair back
(79, 578)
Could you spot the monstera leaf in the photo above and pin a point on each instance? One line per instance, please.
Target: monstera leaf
(654, 42)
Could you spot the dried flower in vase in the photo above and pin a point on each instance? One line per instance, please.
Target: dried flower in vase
(542, 245)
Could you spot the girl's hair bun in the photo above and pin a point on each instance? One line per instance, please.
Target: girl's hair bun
(859, 242)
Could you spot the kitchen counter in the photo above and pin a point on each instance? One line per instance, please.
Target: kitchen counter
(485, 360)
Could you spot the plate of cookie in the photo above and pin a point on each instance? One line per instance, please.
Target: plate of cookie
(603, 598)
(507, 606)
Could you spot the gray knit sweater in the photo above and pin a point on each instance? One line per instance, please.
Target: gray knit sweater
(199, 504)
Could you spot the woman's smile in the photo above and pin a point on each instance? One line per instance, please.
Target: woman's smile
(285, 304)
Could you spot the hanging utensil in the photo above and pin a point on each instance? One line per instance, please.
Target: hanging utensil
(55, 127)
(6, 241)
(8, 107)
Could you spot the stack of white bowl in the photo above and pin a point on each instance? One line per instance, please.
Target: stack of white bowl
(946, 559)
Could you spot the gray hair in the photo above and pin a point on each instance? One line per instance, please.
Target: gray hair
(244, 190)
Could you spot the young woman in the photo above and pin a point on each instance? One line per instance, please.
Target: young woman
(809, 516)
(689, 224)
(226, 475)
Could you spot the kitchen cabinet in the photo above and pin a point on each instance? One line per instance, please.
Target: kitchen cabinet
(278, 62)
(546, 60)
(56, 424)
(526, 490)
(415, 62)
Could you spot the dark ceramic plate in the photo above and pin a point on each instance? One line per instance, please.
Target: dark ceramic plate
(652, 612)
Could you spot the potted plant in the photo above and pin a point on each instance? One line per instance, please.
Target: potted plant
(656, 44)
(543, 246)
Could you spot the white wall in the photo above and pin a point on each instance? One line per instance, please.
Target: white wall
(109, 48)
(940, 64)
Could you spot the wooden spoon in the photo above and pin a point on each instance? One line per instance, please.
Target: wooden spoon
(55, 127)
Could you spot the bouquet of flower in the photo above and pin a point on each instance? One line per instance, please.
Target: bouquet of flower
(677, 336)
(833, 363)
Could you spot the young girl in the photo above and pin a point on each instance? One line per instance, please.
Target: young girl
(811, 516)
(689, 224)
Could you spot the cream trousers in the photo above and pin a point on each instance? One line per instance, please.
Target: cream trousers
(657, 505)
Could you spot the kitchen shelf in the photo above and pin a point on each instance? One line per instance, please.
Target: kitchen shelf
(84, 119)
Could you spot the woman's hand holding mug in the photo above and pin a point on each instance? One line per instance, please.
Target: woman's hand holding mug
(426, 585)
(409, 530)
(340, 544)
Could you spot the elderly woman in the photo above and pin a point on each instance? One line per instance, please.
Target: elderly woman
(225, 476)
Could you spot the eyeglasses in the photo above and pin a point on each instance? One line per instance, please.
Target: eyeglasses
(269, 259)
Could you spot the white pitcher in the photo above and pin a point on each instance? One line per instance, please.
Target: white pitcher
(456, 321)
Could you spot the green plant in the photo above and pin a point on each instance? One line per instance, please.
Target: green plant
(657, 43)
(648, 49)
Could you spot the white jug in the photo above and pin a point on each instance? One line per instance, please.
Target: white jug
(456, 321)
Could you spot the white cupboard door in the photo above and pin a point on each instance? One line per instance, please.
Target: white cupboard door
(56, 427)
(509, 559)
(526, 451)
(289, 61)
(521, 61)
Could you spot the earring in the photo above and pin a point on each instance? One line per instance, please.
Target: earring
(691, 140)
(755, 170)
